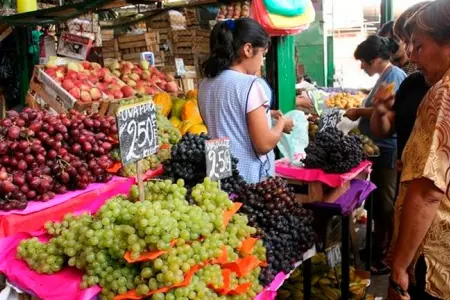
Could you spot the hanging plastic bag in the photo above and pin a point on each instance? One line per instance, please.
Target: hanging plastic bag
(295, 143)
(284, 22)
(288, 8)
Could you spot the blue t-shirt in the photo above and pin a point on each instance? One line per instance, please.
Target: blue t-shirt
(392, 75)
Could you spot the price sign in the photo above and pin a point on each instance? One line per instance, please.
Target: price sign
(218, 159)
(333, 256)
(138, 131)
(329, 119)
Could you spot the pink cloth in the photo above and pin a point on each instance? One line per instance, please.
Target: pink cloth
(62, 285)
(284, 169)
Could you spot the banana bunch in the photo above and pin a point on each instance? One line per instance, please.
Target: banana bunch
(325, 283)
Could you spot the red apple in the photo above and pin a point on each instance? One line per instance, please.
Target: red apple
(106, 71)
(171, 87)
(75, 92)
(108, 78)
(131, 83)
(118, 94)
(71, 75)
(78, 83)
(93, 79)
(67, 84)
(81, 76)
(150, 90)
(127, 91)
(98, 73)
(96, 65)
(86, 65)
(125, 70)
(51, 65)
(125, 78)
(135, 77)
(51, 72)
(141, 89)
(85, 87)
(137, 70)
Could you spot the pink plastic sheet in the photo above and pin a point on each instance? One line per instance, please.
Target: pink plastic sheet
(63, 285)
(34, 206)
(284, 169)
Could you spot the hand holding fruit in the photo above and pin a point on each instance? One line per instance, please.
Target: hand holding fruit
(288, 126)
(383, 99)
(352, 114)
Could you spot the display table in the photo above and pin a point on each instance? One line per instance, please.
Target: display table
(38, 213)
(343, 205)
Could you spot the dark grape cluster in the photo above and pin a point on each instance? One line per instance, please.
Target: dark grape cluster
(42, 155)
(333, 152)
(284, 224)
(188, 163)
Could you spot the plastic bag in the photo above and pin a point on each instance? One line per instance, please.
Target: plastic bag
(288, 8)
(295, 143)
(286, 22)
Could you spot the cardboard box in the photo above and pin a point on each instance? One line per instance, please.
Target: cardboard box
(74, 46)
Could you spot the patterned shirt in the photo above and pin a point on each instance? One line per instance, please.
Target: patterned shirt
(409, 67)
(427, 155)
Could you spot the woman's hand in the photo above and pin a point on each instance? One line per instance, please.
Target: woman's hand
(383, 106)
(398, 285)
(288, 126)
(353, 114)
(276, 114)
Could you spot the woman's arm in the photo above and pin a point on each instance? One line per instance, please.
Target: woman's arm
(421, 203)
(382, 125)
(356, 113)
(263, 138)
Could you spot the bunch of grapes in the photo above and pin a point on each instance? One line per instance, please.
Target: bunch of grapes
(188, 162)
(282, 222)
(97, 244)
(333, 152)
(42, 155)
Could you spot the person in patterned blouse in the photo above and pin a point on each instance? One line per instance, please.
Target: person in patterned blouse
(420, 249)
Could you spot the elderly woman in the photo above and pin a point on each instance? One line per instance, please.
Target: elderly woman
(420, 249)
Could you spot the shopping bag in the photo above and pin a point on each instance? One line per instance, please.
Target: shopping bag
(288, 8)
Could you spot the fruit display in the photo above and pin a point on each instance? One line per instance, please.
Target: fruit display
(345, 100)
(325, 283)
(188, 162)
(234, 10)
(370, 148)
(313, 126)
(282, 222)
(162, 239)
(87, 82)
(43, 155)
(142, 77)
(333, 152)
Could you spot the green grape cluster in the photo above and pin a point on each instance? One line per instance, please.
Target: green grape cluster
(190, 234)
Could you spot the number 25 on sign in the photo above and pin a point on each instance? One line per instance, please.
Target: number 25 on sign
(138, 135)
(218, 159)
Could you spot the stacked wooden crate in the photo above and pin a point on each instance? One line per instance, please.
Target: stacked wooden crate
(131, 46)
(192, 46)
(165, 45)
(111, 49)
(191, 17)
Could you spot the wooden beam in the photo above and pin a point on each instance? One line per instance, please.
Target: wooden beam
(6, 33)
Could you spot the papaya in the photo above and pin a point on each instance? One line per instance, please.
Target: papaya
(164, 102)
(192, 94)
(175, 121)
(198, 129)
(185, 125)
(191, 112)
(177, 106)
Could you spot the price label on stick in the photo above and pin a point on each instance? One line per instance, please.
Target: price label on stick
(138, 131)
(329, 119)
(333, 256)
(218, 159)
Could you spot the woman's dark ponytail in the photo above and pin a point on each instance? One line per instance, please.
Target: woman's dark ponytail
(226, 40)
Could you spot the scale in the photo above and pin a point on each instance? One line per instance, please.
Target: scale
(148, 56)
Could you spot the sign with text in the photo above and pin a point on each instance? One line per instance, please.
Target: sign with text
(138, 131)
(218, 159)
(329, 118)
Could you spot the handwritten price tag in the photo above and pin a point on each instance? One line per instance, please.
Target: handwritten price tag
(138, 131)
(218, 159)
(329, 119)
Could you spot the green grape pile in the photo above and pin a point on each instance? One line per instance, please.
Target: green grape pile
(190, 235)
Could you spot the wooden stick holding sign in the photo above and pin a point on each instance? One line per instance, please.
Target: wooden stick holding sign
(138, 136)
(218, 159)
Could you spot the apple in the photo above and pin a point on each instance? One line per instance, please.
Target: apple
(137, 71)
(135, 77)
(60, 75)
(93, 79)
(68, 84)
(131, 83)
(125, 70)
(96, 94)
(73, 66)
(98, 72)
(86, 65)
(125, 78)
(86, 72)
(75, 92)
(108, 78)
(51, 65)
(118, 94)
(127, 91)
(78, 83)
(86, 96)
(71, 75)
(144, 65)
(115, 87)
(51, 72)
(171, 87)
(150, 90)
(141, 89)
(102, 86)
(170, 78)
(117, 73)
(110, 95)
(81, 76)
(106, 71)
(96, 65)
(85, 87)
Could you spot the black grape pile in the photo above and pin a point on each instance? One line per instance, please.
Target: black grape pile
(284, 224)
(188, 163)
(333, 152)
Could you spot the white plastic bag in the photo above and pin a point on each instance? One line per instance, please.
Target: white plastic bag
(295, 143)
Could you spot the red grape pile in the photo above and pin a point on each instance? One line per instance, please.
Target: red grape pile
(333, 152)
(285, 226)
(188, 163)
(42, 155)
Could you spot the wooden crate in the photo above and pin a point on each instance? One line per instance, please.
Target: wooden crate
(191, 48)
(110, 49)
(139, 42)
(191, 35)
(319, 192)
